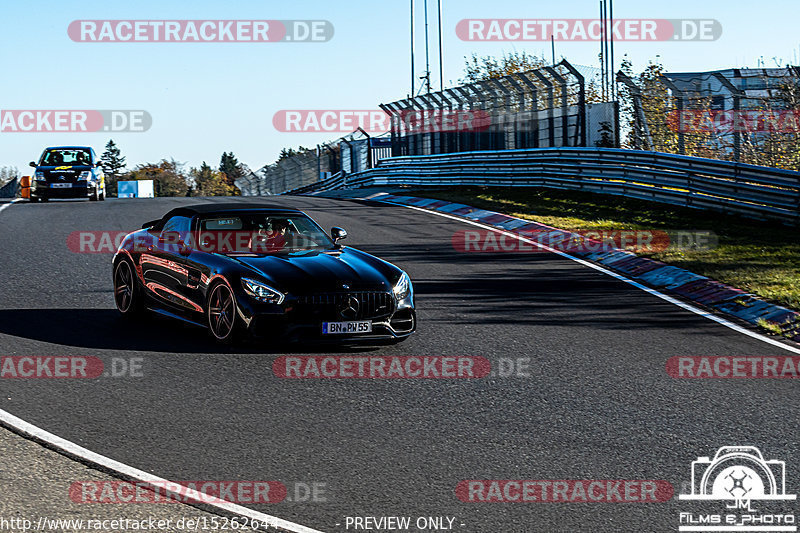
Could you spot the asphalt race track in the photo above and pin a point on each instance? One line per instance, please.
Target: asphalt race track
(596, 402)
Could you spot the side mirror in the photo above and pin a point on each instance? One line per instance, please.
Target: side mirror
(338, 234)
(32, 164)
(98, 164)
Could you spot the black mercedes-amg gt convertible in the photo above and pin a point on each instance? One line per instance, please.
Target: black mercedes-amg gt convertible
(263, 271)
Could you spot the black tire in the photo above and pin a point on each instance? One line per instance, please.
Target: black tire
(127, 293)
(102, 196)
(34, 199)
(44, 199)
(222, 317)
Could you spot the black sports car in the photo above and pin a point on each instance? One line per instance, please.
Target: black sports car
(268, 271)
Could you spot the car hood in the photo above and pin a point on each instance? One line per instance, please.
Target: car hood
(324, 272)
(65, 167)
(64, 171)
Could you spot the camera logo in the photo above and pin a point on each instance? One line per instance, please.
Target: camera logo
(738, 473)
(739, 476)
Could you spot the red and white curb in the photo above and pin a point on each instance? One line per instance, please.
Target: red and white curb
(685, 286)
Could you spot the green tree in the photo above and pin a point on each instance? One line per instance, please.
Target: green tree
(8, 173)
(113, 163)
(606, 135)
(657, 104)
(488, 67)
(660, 109)
(232, 170)
(286, 153)
(779, 147)
(168, 176)
(209, 182)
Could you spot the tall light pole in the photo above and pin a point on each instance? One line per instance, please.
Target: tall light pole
(441, 69)
(605, 52)
(602, 56)
(413, 75)
(611, 30)
(427, 54)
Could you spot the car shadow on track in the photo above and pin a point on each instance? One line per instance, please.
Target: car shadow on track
(528, 289)
(105, 329)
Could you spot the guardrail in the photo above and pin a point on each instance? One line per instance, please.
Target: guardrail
(737, 188)
(10, 189)
(336, 181)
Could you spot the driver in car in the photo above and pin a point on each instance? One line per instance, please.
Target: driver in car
(271, 240)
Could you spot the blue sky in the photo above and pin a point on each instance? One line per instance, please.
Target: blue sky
(209, 98)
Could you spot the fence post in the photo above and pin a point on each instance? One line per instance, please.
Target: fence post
(737, 94)
(681, 98)
(581, 101)
(564, 105)
(534, 107)
(551, 107)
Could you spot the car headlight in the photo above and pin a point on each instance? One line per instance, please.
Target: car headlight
(403, 287)
(262, 292)
(85, 175)
(39, 176)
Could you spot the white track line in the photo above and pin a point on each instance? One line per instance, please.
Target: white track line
(84, 455)
(646, 289)
(6, 206)
(73, 450)
(87, 456)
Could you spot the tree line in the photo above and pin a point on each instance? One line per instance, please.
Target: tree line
(171, 178)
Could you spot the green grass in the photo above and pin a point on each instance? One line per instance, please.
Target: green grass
(771, 327)
(758, 257)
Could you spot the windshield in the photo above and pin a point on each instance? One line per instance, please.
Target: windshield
(60, 156)
(261, 234)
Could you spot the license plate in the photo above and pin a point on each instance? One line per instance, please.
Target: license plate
(340, 328)
(61, 185)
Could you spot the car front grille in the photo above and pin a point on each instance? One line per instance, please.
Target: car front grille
(363, 305)
(61, 176)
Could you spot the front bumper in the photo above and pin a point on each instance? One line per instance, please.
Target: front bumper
(267, 327)
(76, 191)
(295, 321)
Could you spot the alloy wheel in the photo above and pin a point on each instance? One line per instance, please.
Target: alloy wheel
(221, 312)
